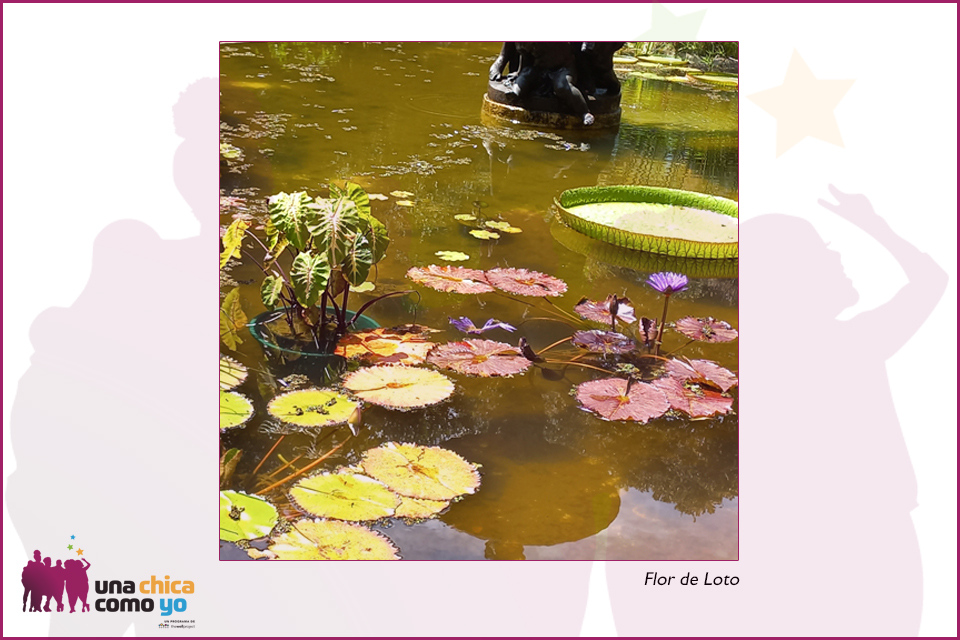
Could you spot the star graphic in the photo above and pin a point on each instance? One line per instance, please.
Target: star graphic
(70, 547)
(803, 106)
(73, 537)
(666, 26)
(79, 552)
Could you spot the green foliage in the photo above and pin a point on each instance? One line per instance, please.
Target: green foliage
(288, 213)
(232, 319)
(232, 240)
(310, 275)
(244, 517)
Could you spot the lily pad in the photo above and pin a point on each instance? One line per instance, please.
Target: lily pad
(484, 234)
(235, 409)
(401, 194)
(702, 371)
(485, 358)
(706, 329)
(667, 60)
(624, 60)
(376, 196)
(452, 256)
(693, 399)
(603, 341)
(500, 225)
(465, 217)
(722, 79)
(405, 203)
(244, 517)
(428, 473)
(419, 509)
(332, 540)
(450, 278)
(654, 219)
(386, 346)
(399, 387)
(526, 283)
(344, 496)
(232, 373)
(610, 399)
(600, 311)
(312, 407)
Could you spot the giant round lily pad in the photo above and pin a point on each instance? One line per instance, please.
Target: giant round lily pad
(244, 517)
(312, 407)
(484, 358)
(232, 373)
(235, 409)
(722, 79)
(427, 473)
(344, 496)
(655, 219)
(332, 540)
(611, 400)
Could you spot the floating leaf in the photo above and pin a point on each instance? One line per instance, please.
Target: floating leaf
(702, 371)
(244, 517)
(385, 346)
(288, 214)
(484, 358)
(376, 196)
(232, 239)
(401, 194)
(363, 288)
(419, 509)
(229, 151)
(344, 496)
(312, 407)
(428, 473)
(603, 341)
(484, 235)
(610, 399)
(310, 275)
(232, 319)
(405, 203)
(452, 256)
(526, 283)
(600, 311)
(500, 225)
(449, 278)
(399, 387)
(332, 540)
(465, 217)
(648, 331)
(232, 373)
(693, 399)
(235, 409)
(706, 329)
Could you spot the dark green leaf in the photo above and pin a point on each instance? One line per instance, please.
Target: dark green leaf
(333, 223)
(288, 213)
(309, 274)
(357, 262)
(270, 291)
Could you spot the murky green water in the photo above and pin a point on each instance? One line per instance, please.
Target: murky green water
(557, 482)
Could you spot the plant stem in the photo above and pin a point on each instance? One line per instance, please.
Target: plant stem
(680, 347)
(386, 295)
(285, 466)
(577, 364)
(264, 459)
(305, 469)
(663, 320)
(558, 342)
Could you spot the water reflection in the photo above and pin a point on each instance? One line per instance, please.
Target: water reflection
(407, 117)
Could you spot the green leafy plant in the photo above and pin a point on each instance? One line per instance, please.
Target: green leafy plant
(328, 246)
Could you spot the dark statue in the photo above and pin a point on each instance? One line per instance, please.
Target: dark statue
(570, 78)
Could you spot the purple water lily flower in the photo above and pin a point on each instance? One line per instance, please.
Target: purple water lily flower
(667, 282)
(466, 325)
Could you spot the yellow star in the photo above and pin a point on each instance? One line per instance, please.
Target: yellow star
(803, 106)
(79, 552)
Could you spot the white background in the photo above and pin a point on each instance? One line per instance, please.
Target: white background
(88, 92)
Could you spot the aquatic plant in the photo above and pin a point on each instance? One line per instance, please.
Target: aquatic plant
(399, 386)
(667, 283)
(618, 399)
(235, 409)
(398, 345)
(606, 312)
(485, 358)
(232, 373)
(426, 473)
(344, 496)
(331, 540)
(706, 329)
(334, 243)
(244, 517)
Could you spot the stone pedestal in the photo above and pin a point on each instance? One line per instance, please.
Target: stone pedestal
(501, 104)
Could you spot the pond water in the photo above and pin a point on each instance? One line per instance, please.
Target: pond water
(557, 482)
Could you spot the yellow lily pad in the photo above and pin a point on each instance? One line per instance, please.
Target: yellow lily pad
(427, 473)
(452, 256)
(332, 540)
(235, 409)
(484, 235)
(405, 203)
(344, 496)
(312, 407)
(232, 373)
(401, 194)
(419, 509)
(465, 217)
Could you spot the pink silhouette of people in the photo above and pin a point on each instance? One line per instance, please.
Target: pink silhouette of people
(78, 585)
(40, 580)
(829, 481)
